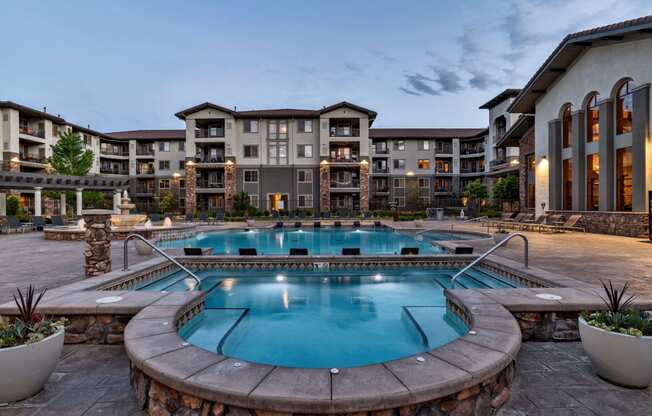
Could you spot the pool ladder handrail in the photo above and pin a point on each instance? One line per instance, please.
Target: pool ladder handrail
(125, 266)
(491, 250)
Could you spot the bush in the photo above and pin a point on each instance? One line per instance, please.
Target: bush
(490, 212)
(13, 205)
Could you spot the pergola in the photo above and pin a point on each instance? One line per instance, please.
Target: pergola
(37, 182)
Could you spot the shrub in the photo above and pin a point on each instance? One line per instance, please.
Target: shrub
(13, 205)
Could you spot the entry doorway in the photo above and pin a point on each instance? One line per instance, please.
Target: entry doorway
(278, 202)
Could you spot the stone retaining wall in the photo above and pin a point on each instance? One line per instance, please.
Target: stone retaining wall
(548, 326)
(479, 400)
(627, 224)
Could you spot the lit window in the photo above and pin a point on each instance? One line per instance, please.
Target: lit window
(624, 108)
(592, 119)
(164, 184)
(424, 164)
(253, 201)
(567, 127)
(624, 179)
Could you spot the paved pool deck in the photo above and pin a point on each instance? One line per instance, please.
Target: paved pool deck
(552, 379)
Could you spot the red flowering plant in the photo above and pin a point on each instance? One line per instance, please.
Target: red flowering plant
(29, 326)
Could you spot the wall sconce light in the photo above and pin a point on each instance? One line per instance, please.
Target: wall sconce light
(410, 173)
(176, 175)
(190, 163)
(229, 162)
(15, 159)
(324, 162)
(364, 162)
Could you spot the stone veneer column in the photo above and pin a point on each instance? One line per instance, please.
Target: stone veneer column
(640, 138)
(229, 185)
(554, 164)
(191, 185)
(62, 203)
(38, 203)
(324, 186)
(80, 201)
(364, 186)
(97, 250)
(116, 201)
(607, 157)
(3, 204)
(578, 161)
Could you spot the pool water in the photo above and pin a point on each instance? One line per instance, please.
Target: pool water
(325, 319)
(316, 240)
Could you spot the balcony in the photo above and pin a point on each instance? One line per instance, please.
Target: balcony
(377, 170)
(145, 170)
(380, 190)
(352, 184)
(209, 133)
(446, 150)
(209, 159)
(40, 133)
(114, 171)
(443, 170)
(381, 151)
(114, 152)
(472, 170)
(353, 158)
(26, 157)
(210, 186)
(145, 151)
(471, 150)
(144, 190)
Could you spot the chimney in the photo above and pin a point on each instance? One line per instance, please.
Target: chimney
(235, 108)
(89, 126)
(45, 109)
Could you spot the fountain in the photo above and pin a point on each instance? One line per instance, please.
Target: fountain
(125, 219)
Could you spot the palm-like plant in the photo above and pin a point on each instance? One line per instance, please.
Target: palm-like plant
(614, 298)
(28, 304)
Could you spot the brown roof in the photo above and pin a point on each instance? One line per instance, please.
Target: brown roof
(31, 112)
(508, 93)
(424, 133)
(176, 134)
(516, 131)
(567, 51)
(273, 113)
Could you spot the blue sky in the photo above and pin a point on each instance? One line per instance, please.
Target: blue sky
(121, 65)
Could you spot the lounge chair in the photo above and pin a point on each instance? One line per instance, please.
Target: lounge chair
(203, 216)
(15, 224)
(39, 223)
(247, 252)
(219, 217)
(356, 224)
(366, 215)
(327, 215)
(297, 224)
(189, 218)
(196, 251)
(298, 251)
(350, 251)
(57, 221)
(569, 225)
(337, 224)
(409, 251)
(155, 217)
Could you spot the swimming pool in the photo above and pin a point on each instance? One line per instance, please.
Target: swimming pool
(324, 319)
(316, 240)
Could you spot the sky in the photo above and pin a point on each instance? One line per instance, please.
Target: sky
(127, 65)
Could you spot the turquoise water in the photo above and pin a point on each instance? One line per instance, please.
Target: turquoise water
(323, 319)
(317, 241)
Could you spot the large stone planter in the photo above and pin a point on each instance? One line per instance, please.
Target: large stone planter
(26, 368)
(619, 358)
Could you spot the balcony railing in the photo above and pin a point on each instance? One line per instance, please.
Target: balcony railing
(209, 133)
(145, 151)
(209, 159)
(145, 170)
(380, 170)
(26, 157)
(443, 170)
(444, 149)
(442, 190)
(32, 132)
(354, 157)
(349, 184)
(471, 151)
(381, 151)
(344, 132)
(114, 152)
(498, 162)
(210, 184)
(113, 171)
(472, 170)
(381, 189)
(145, 190)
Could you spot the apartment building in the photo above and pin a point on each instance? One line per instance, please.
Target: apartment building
(417, 168)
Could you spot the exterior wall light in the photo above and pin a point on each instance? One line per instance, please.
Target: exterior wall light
(229, 162)
(176, 175)
(190, 163)
(324, 162)
(15, 159)
(410, 173)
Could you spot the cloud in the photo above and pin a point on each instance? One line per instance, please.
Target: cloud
(383, 56)
(448, 80)
(407, 91)
(421, 84)
(355, 68)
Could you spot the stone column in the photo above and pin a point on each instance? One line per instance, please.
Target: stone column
(191, 184)
(3, 204)
(37, 201)
(62, 203)
(554, 164)
(324, 186)
(229, 185)
(116, 201)
(579, 161)
(79, 202)
(364, 186)
(97, 249)
(640, 138)
(607, 157)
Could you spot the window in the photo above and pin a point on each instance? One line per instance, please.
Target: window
(304, 150)
(381, 147)
(567, 127)
(304, 175)
(443, 166)
(424, 164)
(399, 145)
(250, 126)
(277, 129)
(624, 179)
(424, 145)
(624, 108)
(442, 184)
(164, 146)
(304, 126)
(182, 165)
(398, 182)
(251, 176)
(592, 119)
(253, 201)
(250, 150)
(182, 183)
(424, 183)
(399, 201)
(164, 184)
(593, 182)
(164, 164)
(399, 164)
(304, 201)
(182, 146)
(568, 184)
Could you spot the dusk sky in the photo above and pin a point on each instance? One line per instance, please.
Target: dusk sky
(124, 65)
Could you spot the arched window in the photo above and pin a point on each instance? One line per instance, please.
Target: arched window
(592, 119)
(624, 107)
(567, 127)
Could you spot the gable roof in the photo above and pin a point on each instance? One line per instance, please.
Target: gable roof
(31, 112)
(170, 134)
(516, 131)
(425, 133)
(508, 93)
(370, 113)
(183, 113)
(568, 50)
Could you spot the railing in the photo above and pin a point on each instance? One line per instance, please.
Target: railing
(385, 189)
(209, 133)
(145, 190)
(207, 184)
(380, 170)
(444, 150)
(344, 132)
(472, 170)
(209, 159)
(470, 220)
(148, 151)
(32, 132)
(351, 159)
(381, 151)
(114, 171)
(145, 170)
(442, 170)
(32, 158)
(471, 151)
(491, 250)
(159, 251)
(351, 184)
(110, 152)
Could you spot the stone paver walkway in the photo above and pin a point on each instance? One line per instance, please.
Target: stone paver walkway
(553, 379)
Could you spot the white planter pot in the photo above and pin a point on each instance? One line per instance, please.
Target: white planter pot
(26, 368)
(142, 248)
(498, 237)
(619, 358)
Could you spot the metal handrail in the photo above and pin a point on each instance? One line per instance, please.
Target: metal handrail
(484, 217)
(491, 250)
(125, 266)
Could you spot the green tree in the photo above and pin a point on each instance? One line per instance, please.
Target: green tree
(92, 199)
(69, 156)
(240, 202)
(167, 201)
(476, 190)
(506, 189)
(13, 205)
